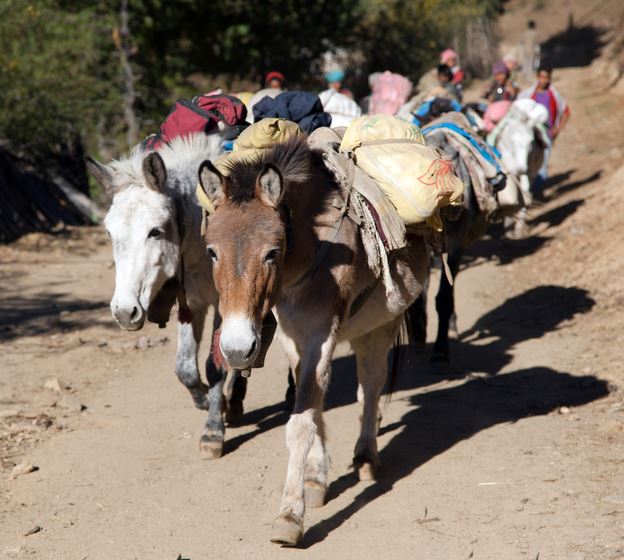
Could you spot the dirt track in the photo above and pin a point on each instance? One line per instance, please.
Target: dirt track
(519, 454)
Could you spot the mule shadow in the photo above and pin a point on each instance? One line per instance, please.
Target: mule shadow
(505, 250)
(556, 216)
(577, 45)
(565, 187)
(444, 417)
(555, 180)
(486, 347)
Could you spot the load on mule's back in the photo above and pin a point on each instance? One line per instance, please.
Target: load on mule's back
(280, 235)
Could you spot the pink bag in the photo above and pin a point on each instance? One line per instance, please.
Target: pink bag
(390, 92)
(495, 113)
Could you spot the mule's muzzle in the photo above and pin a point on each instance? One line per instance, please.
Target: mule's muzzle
(240, 344)
(129, 318)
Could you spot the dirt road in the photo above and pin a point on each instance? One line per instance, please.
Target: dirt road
(518, 454)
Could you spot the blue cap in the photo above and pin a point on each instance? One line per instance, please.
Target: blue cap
(334, 76)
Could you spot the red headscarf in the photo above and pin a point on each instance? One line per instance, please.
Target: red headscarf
(274, 75)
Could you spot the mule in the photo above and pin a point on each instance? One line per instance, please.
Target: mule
(522, 145)
(154, 226)
(462, 227)
(279, 239)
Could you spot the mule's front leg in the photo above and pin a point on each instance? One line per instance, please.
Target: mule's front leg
(307, 460)
(300, 434)
(213, 436)
(189, 336)
(316, 466)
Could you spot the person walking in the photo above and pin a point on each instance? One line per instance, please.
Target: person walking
(501, 87)
(544, 93)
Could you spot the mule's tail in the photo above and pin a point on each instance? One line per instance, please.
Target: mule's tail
(415, 321)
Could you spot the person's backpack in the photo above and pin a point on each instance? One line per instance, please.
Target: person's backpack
(203, 113)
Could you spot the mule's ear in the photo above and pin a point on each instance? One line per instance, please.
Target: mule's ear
(101, 174)
(270, 186)
(212, 185)
(155, 172)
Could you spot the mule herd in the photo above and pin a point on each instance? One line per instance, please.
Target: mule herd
(272, 238)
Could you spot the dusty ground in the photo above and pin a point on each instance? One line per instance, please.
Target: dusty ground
(518, 454)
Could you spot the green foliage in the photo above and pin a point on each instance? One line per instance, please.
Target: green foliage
(60, 75)
(54, 76)
(235, 37)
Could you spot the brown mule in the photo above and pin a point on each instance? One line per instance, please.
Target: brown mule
(279, 240)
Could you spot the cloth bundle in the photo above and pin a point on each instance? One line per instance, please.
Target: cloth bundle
(301, 107)
(495, 189)
(341, 108)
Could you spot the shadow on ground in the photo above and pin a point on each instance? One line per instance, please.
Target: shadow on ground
(443, 417)
(485, 348)
(503, 250)
(46, 314)
(558, 185)
(457, 409)
(577, 45)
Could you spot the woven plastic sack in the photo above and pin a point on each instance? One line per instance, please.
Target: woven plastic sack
(257, 137)
(415, 178)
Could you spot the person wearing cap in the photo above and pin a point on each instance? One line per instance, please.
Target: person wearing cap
(449, 58)
(275, 80)
(334, 80)
(445, 84)
(502, 87)
(274, 84)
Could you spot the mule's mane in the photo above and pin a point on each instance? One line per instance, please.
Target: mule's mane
(295, 160)
(127, 169)
(182, 157)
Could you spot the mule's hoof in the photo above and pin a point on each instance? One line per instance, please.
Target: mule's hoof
(314, 494)
(366, 465)
(234, 413)
(210, 448)
(286, 531)
(367, 471)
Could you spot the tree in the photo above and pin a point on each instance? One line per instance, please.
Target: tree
(55, 82)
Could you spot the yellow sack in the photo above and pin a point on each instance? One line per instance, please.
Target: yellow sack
(414, 177)
(369, 128)
(245, 97)
(257, 137)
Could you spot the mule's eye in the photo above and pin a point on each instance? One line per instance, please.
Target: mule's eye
(155, 233)
(210, 252)
(271, 256)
